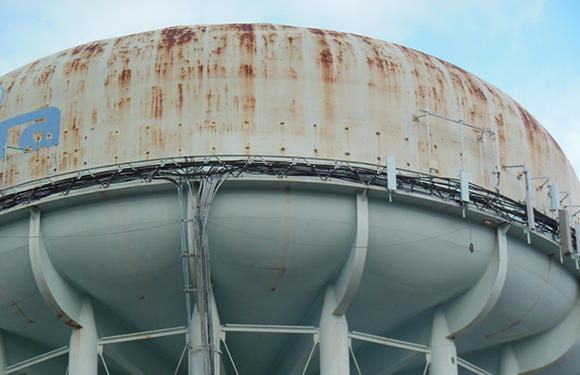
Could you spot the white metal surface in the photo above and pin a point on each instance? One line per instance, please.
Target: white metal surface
(348, 282)
(334, 341)
(83, 359)
(214, 90)
(443, 353)
(474, 306)
(428, 260)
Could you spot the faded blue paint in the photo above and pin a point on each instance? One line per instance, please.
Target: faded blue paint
(2, 92)
(46, 121)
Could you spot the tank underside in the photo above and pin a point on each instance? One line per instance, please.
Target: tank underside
(276, 246)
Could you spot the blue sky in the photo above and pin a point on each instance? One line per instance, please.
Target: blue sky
(530, 49)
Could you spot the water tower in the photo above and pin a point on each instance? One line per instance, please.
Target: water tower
(264, 199)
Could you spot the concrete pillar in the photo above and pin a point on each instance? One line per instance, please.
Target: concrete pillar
(334, 341)
(83, 357)
(199, 350)
(3, 360)
(443, 351)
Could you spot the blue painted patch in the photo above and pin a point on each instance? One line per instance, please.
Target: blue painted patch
(2, 92)
(46, 121)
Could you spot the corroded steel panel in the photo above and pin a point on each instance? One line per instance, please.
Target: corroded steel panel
(263, 89)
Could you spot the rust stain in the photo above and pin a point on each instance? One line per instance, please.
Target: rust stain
(500, 124)
(46, 75)
(76, 65)
(125, 77)
(532, 127)
(15, 305)
(180, 95)
(173, 36)
(326, 57)
(247, 35)
(90, 49)
(317, 32)
(124, 102)
(156, 102)
(246, 70)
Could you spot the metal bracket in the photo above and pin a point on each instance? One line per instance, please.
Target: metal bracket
(469, 310)
(529, 195)
(389, 342)
(63, 299)
(5, 157)
(349, 280)
(461, 126)
(471, 367)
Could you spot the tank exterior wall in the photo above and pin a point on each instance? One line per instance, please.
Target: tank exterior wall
(267, 90)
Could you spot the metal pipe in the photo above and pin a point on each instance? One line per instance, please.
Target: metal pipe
(230, 356)
(5, 157)
(546, 178)
(201, 345)
(309, 357)
(428, 137)
(389, 342)
(530, 200)
(471, 367)
(185, 266)
(36, 360)
(456, 121)
(462, 145)
(143, 335)
(5, 166)
(269, 329)
(496, 166)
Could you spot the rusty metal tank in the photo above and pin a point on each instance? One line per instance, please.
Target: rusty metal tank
(359, 185)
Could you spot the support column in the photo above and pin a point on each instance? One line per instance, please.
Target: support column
(3, 360)
(62, 298)
(334, 341)
(349, 279)
(509, 363)
(199, 350)
(443, 351)
(473, 307)
(83, 357)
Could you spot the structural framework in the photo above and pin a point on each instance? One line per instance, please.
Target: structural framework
(263, 199)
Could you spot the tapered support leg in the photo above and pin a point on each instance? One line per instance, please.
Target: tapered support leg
(334, 353)
(509, 364)
(83, 357)
(443, 351)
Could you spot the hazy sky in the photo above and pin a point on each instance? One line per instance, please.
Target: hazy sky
(530, 49)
